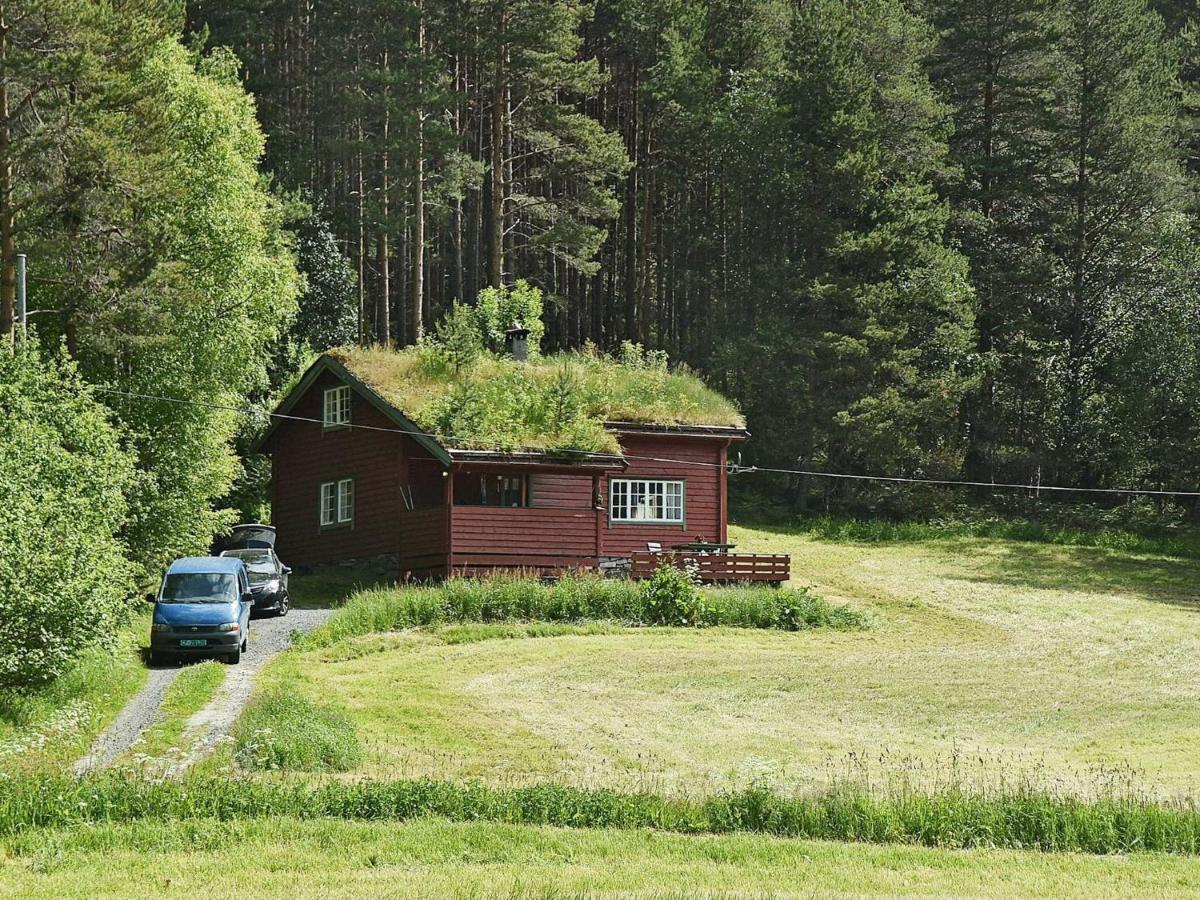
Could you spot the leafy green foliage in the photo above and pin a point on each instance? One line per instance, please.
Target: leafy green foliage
(501, 308)
(65, 580)
(456, 342)
(283, 731)
(327, 315)
(188, 303)
(671, 597)
(857, 357)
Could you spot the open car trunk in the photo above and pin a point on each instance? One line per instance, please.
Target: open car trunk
(248, 537)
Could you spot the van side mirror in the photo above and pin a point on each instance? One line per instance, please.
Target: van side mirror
(247, 597)
(287, 570)
(152, 598)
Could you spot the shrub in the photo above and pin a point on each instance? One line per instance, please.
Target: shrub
(285, 731)
(64, 577)
(671, 597)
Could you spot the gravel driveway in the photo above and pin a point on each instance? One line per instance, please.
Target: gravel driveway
(267, 638)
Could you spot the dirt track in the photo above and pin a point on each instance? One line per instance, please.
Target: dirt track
(267, 638)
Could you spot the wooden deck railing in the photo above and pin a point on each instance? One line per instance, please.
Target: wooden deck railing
(718, 567)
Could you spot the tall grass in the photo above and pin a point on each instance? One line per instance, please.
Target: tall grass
(1027, 820)
(572, 599)
(282, 730)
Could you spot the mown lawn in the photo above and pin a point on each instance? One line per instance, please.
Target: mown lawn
(290, 858)
(990, 660)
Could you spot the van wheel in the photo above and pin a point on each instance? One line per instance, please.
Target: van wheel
(285, 604)
(235, 657)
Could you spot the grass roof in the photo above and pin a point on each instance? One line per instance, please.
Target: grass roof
(556, 402)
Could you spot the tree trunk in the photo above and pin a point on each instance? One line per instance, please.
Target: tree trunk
(8, 247)
(631, 195)
(383, 316)
(362, 242)
(647, 239)
(383, 299)
(418, 239)
(496, 208)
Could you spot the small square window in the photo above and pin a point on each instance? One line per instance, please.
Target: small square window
(337, 407)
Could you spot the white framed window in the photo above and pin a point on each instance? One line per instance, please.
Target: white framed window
(337, 407)
(337, 502)
(645, 500)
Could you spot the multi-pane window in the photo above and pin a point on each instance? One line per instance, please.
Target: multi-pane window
(337, 407)
(636, 500)
(337, 502)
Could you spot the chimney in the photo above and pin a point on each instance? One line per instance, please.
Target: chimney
(516, 340)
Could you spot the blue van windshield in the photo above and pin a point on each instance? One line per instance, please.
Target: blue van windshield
(195, 587)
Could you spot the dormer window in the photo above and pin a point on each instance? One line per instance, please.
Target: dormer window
(337, 407)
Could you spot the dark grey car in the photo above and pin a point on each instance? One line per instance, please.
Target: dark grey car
(254, 545)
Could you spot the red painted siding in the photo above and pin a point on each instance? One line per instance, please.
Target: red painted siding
(423, 541)
(560, 491)
(305, 455)
(703, 476)
(518, 533)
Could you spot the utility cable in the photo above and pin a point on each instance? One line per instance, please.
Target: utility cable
(733, 468)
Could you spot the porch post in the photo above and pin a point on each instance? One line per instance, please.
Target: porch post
(598, 504)
(724, 528)
(449, 479)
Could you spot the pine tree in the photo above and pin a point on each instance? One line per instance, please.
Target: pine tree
(864, 348)
(1111, 210)
(992, 64)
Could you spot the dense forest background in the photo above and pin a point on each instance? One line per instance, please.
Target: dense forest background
(928, 238)
(934, 237)
(937, 238)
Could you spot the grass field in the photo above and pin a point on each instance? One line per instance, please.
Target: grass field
(990, 660)
(289, 858)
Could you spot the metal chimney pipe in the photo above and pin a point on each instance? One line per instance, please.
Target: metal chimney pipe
(517, 340)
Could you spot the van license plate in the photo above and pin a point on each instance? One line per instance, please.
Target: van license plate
(193, 642)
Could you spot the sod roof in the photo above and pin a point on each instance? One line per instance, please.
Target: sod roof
(558, 402)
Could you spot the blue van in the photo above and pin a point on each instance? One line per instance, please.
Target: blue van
(202, 609)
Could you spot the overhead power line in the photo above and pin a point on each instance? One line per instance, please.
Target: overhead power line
(895, 479)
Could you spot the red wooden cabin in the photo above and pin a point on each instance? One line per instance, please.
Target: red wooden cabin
(385, 487)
